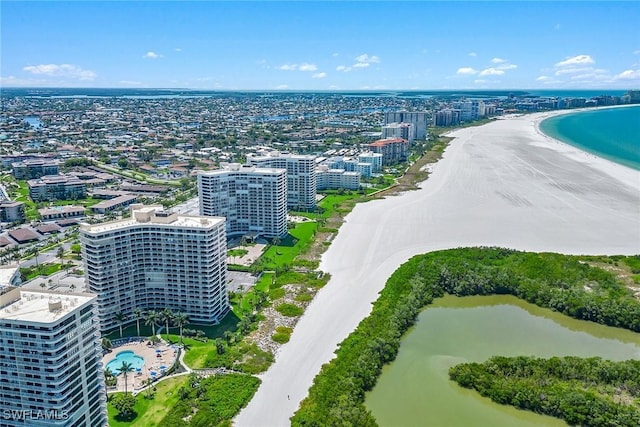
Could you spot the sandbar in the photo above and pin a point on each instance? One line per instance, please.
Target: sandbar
(501, 184)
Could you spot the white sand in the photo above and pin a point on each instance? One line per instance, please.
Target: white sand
(501, 184)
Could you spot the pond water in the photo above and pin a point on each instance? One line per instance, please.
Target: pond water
(415, 389)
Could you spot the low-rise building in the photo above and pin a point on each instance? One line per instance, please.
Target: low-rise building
(113, 204)
(335, 179)
(374, 159)
(12, 212)
(59, 212)
(35, 168)
(56, 187)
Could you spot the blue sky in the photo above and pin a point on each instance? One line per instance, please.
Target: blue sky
(327, 45)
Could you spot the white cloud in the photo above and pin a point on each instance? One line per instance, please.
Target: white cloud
(491, 72)
(479, 81)
(282, 87)
(556, 27)
(343, 68)
(636, 52)
(628, 75)
(498, 60)
(543, 78)
(61, 70)
(130, 83)
(298, 67)
(308, 67)
(472, 54)
(178, 49)
(364, 58)
(152, 55)
(319, 75)
(576, 60)
(466, 71)
(507, 67)
(361, 65)
(335, 54)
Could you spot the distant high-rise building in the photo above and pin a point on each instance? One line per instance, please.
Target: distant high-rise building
(156, 260)
(253, 200)
(301, 176)
(399, 130)
(393, 150)
(418, 119)
(447, 117)
(50, 360)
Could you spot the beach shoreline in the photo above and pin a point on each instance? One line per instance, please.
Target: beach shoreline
(500, 184)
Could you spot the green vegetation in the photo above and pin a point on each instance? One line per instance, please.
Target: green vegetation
(238, 356)
(149, 412)
(34, 271)
(282, 335)
(567, 284)
(587, 392)
(289, 310)
(237, 252)
(211, 401)
(281, 256)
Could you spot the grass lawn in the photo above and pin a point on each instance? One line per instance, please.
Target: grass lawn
(292, 245)
(150, 412)
(43, 269)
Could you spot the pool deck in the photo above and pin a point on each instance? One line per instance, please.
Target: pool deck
(155, 356)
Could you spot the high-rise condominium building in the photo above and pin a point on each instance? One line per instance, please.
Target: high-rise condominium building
(50, 360)
(301, 176)
(418, 119)
(156, 260)
(253, 200)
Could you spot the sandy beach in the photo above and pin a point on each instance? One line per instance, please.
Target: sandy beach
(501, 184)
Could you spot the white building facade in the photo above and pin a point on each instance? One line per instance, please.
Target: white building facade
(301, 176)
(375, 159)
(253, 200)
(156, 260)
(334, 179)
(50, 360)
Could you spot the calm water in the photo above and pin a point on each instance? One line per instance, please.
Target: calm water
(610, 133)
(415, 389)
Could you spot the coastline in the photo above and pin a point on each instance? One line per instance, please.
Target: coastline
(500, 184)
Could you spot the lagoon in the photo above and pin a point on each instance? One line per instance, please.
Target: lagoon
(415, 389)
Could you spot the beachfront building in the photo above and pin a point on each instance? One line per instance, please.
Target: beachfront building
(446, 117)
(399, 130)
(50, 360)
(56, 187)
(155, 260)
(301, 176)
(35, 168)
(335, 179)
(253, 200)
(374, 159)
(393, 150)
(418, 119)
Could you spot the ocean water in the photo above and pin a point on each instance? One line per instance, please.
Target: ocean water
(612, 133)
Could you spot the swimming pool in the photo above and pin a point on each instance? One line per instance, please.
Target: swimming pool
(125, 356)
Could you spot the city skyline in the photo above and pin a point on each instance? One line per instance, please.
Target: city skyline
(304, 45)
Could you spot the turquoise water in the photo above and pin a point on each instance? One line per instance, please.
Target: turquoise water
(612, 133)
(125, 356)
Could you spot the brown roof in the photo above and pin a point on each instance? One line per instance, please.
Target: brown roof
(48, 228)
(22, 235)
(383, 142)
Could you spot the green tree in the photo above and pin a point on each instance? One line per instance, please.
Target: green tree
(150, 319)
(138, 314)
(180, 319)
(166, 316)
(124, 404)
(106, 344)
(125, 369)
(120, 318)
(219, 346)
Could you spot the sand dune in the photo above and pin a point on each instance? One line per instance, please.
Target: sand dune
(501, 184)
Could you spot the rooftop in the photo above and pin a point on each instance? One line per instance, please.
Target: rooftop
(155, 215)
(39, 306)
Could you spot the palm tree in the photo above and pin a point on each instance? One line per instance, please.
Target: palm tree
(180, 319)
(125, 368)
(167, 316)
(60, 254)
(120, 318)
(150, 319)
(138, 314)
(276, 242)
